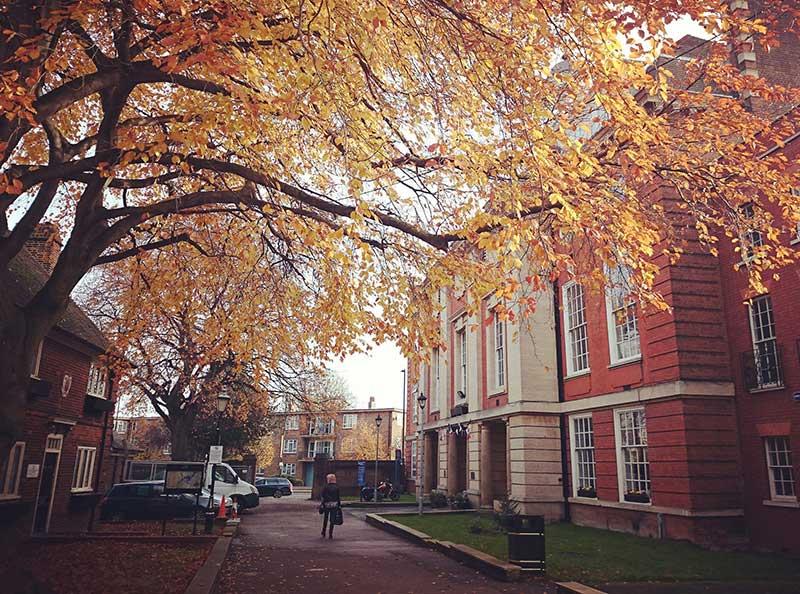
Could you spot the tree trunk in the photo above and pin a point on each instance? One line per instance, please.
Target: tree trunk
(17, 348)
(180, 424)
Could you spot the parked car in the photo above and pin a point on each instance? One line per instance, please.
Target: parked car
(276, 487)
(144, 500)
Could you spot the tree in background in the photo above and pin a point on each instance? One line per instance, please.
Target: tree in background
(227, 317)
(403, 140)
(359, 443)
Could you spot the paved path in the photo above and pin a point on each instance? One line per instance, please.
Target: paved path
(279, 550)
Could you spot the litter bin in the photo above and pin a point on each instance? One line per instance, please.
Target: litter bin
(526, 543)
(209, 518)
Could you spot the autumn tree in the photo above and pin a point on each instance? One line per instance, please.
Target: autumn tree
(360, 443)
(243, 318)
(402, 139)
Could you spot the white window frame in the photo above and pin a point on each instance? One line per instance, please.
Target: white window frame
(617, 290)
(320, 426)
(292, 423)
(287, 466)
(781, 465)
(435, 378)
(96, 385)
(313, 448)
(575, 447)
(576, 329)
(753, 238)
(37, 361)
(498, 352)
(462, 354)
(620, 448)
(83, 472)
(796, 238)
(290, 446)
(761, 340)
(9, 489)
(349, 420)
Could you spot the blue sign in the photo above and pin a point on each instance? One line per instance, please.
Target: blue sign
(362, 474)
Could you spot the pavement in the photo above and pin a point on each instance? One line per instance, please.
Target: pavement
(703, 588)
(278, 549)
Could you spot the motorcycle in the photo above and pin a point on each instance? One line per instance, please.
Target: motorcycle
(385, 491)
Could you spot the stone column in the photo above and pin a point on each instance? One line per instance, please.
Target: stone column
(429, 479)
(452, 463)
(486, 466)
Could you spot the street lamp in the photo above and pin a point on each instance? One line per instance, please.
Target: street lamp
(421, 400)
(222, 403)
(378, 420)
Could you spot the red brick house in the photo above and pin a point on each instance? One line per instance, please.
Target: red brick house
(51, 479)
(678, 424)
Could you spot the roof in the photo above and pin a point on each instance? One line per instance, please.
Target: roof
(340, 411)
(28, 276)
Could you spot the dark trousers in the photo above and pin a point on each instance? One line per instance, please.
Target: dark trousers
(327, 520)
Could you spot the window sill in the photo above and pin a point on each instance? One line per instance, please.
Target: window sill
(497, 391)
(580, 498)
(87, 491)
(98, 396)
(10, 498)
(767, 389)
(780, 503)
(795, 241)
(581, 373)
(623, 362)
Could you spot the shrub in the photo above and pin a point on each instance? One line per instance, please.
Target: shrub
(459, 501)
(507, 514)
(296, 481)
(438, 498)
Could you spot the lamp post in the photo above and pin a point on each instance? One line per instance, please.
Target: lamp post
(222, 403)
(378, 420)
(421, 470)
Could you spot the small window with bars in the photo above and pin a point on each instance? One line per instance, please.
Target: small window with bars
(633, 462)
(779, 465)
(583, 465)
(289, 469)
(292, 423)
(290, 446)
(349, 420)
(84, 468)
(752, 238)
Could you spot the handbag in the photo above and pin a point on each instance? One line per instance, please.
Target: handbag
(321, 508)
(338, 517)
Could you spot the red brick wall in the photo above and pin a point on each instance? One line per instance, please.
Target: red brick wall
(61, 354)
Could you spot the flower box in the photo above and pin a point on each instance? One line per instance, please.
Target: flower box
(637, 497)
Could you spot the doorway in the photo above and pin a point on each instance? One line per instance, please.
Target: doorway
(47, 484)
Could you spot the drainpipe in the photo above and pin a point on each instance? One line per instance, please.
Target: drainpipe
(562, 417)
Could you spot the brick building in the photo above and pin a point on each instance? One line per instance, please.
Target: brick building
(342, 435)
(51, 479)
(676, 424)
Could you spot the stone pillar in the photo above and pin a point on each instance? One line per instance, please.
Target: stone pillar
(452, 463)
(429, 478)
(486, 466)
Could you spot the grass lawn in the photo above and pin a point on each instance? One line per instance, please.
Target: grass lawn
(597, 556)
(404, 498)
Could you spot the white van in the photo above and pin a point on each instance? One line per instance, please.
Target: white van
(226, 481)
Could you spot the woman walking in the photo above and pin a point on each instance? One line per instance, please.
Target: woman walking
(331, 502)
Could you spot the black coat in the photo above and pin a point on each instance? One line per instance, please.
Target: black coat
(330, 494)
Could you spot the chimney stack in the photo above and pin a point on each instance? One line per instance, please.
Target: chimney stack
(371, 402)
(44, 244)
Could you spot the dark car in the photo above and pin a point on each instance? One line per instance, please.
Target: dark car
(277, 487)
(144, 500)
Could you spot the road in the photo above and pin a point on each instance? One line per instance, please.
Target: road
(278, 549)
